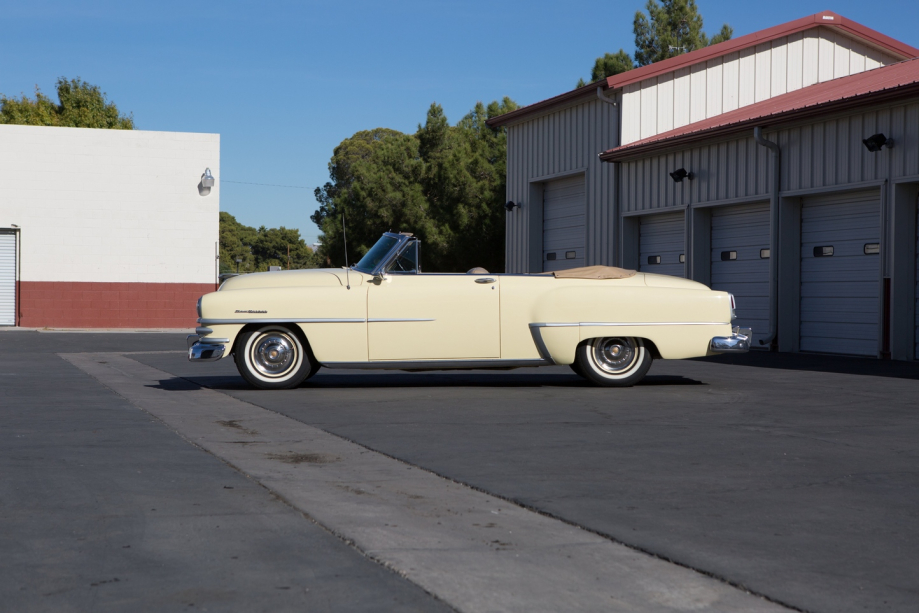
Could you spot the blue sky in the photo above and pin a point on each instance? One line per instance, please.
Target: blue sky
(284, 82)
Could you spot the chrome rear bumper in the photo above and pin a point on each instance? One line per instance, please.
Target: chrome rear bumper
(738, 342)
(205, 349)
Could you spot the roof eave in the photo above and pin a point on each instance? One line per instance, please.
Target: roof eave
(627, 153)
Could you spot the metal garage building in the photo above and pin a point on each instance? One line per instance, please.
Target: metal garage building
(768, 131)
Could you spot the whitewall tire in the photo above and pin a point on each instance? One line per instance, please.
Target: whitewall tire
(273, 357)
(614, 361)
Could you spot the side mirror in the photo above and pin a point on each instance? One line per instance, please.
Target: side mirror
(379, 278)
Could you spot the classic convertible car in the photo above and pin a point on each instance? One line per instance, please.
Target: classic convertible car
(383, 312)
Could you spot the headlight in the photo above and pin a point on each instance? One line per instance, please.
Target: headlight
(733, 308)
(198, 306)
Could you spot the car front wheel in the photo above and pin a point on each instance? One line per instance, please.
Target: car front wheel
(273, 357)
(614, 361)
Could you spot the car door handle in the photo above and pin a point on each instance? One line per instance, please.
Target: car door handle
(485, 280)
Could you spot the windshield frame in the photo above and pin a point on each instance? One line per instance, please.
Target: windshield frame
(383, 264)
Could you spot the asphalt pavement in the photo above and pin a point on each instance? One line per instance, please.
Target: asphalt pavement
(791, 477)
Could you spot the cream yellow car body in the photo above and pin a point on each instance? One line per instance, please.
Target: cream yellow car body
(443, 317)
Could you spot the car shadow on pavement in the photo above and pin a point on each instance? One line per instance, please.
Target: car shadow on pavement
(410, 380)
(816, 362)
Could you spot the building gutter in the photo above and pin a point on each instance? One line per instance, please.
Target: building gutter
(616, 166)
(773, 234)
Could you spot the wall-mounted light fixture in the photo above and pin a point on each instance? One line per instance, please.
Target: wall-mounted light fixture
(207, 179)
(679, 174)
(511, 205)
(876, 142)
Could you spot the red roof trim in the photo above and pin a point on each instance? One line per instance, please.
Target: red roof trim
(871, 87)
(873, 37)
(825, 18)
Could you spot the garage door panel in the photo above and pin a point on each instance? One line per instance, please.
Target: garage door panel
(7, 279)
(840, 293)
(662, 236)
(742, 232)
(564, 218)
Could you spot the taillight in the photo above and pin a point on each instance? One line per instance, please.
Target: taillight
(733, 307)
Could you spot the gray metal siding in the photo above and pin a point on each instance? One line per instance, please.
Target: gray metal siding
(816, 155)
(563, 141)
(563, 223)
(723, 171)
(916, 314)
(743, 230)
(662, 236)
(840, 293)
(7, 279)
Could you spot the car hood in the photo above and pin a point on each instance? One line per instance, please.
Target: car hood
(316, 277)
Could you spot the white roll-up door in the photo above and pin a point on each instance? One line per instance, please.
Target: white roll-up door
(740, 262)
(840, 272)
(661, 244)
(563, 218)
(7, 279)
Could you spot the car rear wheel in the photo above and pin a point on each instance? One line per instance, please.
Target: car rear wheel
(614, 361)
(274, 357)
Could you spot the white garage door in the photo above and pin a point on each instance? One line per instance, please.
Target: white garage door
(7, 279)
(661, 244)
(740, 262)
(563, 230)
(840, 271)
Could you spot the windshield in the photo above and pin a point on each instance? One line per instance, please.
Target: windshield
(376, 254)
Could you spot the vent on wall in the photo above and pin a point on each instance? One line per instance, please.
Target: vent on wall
(550, 256)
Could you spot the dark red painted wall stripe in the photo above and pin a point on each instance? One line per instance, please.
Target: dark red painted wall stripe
(63, 304)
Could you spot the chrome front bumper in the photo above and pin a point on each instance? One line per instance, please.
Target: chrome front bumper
(738, 342)
(204, 349)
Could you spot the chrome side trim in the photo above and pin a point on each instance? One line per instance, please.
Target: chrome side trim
(378, 320)
(276, 320)
(203, 331)
(549, 325)
(656, 323)
(438, 364)
(540, 343)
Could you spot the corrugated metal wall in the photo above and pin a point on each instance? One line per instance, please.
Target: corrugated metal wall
(817, 155)
(723, 171)
(566, 141)
(738, 79)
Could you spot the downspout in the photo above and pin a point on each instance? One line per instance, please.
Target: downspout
(773, 234)
(618, 232)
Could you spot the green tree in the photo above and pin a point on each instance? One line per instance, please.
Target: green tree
(445, 184)
(81, 105)
(671, 28)
(259, 249)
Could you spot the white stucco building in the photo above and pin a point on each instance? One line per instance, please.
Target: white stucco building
(106, 228)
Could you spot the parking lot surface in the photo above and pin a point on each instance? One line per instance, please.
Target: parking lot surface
(793, 477)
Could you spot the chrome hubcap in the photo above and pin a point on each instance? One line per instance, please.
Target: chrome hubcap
(615, 355)
(273, 354)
